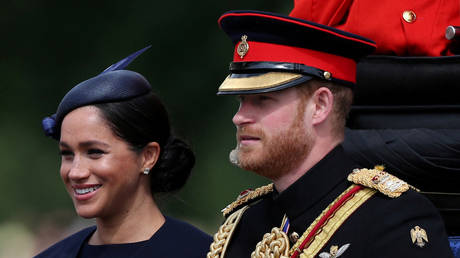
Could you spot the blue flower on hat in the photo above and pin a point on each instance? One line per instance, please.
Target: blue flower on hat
(49, 125)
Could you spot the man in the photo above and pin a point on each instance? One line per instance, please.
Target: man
(294, 80)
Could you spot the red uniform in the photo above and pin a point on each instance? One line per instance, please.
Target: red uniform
(399, 27)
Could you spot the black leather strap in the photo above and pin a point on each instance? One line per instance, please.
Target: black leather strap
(254, 67)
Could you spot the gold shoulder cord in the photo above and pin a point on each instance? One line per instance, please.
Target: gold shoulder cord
(225, 232)
(273, 244)
(223, 236)
(251, 195)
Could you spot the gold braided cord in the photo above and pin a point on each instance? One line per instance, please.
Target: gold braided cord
(312, 225)
(273, 245)
(263, 190)
(333, 223)
(223, 235)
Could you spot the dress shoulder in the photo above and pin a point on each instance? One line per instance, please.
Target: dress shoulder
(185, 229)
(178, 239)
(69, 246)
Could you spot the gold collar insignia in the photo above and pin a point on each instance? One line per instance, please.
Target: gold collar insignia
(418, 235)
(334, 251)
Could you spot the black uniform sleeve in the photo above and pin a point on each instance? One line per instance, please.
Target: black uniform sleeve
(395, 218)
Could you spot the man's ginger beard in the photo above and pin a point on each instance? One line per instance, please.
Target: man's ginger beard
(280, 154)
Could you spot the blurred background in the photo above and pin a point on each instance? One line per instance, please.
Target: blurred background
(47, 47)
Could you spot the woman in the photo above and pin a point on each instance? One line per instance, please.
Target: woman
(117, 153)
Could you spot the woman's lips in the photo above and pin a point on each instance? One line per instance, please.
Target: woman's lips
(85, 192)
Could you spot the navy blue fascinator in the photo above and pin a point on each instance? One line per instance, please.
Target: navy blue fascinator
(113, 84)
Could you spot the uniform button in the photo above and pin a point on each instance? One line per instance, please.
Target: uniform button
(294, 237)
(409, 16)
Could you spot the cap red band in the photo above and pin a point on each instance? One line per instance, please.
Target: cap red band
(340, 67)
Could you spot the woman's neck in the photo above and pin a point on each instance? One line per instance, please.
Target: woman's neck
(138, 223)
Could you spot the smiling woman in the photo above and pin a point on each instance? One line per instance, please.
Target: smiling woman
(117, 152)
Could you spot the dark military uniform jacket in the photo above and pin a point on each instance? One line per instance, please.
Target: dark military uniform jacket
(380, 227)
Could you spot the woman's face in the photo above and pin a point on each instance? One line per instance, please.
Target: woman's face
(101, 173)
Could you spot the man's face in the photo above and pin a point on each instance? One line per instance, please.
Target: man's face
(273, 134)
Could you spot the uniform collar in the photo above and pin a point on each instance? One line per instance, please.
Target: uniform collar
(315, 183)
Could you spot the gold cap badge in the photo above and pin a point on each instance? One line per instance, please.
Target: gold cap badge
(243, 47)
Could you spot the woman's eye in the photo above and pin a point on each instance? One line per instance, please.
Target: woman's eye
(95, 152)
(65, 153)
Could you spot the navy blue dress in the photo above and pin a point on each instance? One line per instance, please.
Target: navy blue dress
(174, 239)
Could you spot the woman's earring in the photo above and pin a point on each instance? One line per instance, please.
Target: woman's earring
(146, 171)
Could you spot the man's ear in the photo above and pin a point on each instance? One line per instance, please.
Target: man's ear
(150, 154)
(323, 102)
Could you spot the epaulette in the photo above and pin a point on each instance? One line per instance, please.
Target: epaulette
(247, 197)
(380, 180)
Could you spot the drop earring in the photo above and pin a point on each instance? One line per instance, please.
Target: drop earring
(146, 171)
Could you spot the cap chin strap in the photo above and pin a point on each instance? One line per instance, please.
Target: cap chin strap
(257, 67)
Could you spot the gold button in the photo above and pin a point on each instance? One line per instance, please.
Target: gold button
(327, 75)
(294, 237)
(409, 16)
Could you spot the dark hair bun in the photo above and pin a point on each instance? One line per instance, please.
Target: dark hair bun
(173, 167)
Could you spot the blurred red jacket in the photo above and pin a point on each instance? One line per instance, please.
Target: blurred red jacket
(399, 27)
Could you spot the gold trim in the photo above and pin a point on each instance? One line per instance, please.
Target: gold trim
(334, 223)
(380, 180)
(326, 232)
(312, 225)
(273, 244)
(222, 237)
(266, 80)
(263, 190)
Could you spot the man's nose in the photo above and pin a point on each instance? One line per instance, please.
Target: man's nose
(243, 115)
